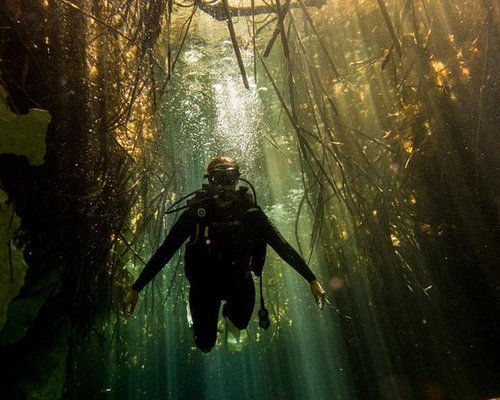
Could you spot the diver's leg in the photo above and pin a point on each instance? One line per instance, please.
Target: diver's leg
(204, 305)
(240, 303)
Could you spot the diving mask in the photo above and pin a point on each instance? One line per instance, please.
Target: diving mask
(224, 176)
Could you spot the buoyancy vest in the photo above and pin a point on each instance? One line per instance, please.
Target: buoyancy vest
(223, 238)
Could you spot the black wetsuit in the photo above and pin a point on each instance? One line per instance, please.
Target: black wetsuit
(218, 261)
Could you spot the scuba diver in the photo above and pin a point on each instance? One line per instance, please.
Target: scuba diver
(228, 234)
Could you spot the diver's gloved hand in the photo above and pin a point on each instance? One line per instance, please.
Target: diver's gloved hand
(130, 301)
(318, 293)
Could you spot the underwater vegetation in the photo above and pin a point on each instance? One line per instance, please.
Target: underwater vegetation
(370, 131)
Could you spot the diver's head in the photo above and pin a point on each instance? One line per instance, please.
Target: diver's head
(223, 175)
(223, 172)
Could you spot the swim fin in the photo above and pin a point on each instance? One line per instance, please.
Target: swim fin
(236, 339)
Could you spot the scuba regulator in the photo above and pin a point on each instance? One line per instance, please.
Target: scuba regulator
(220, 177)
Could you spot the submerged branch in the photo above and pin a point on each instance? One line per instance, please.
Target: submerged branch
(390, 26)
(279, 26)
(98, 20)
(236, 47)
(218, 11)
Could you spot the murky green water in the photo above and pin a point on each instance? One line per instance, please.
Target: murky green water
(388, 335)
(370, 133)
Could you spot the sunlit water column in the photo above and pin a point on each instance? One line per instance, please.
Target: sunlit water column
(318, 362)
(210, 113)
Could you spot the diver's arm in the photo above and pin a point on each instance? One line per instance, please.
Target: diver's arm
(177, 235)
(175, 238)
(288, 253)
(281, 246)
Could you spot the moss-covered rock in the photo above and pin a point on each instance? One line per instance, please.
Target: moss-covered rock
(23, 135)
(12, 266)
(20, 135)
